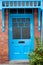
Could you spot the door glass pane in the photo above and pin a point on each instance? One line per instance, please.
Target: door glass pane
(14, 20)
(27, 19)
(21, 24)
(16, 33)
(27, 24)
(23, 20)
(15, 24)
(26, 33)
(18, 20)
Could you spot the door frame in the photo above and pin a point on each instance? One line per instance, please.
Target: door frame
(29, 16)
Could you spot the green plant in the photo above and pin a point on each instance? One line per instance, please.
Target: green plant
(36, 56)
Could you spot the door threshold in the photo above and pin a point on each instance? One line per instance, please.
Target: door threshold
(19, 61)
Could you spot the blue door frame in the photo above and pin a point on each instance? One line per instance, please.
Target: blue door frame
(19, 51)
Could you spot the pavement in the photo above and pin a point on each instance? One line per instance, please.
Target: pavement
(17, 63)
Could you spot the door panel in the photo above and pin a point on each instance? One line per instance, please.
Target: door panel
(21, 36)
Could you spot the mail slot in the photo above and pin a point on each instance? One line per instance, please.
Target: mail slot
(21, 42)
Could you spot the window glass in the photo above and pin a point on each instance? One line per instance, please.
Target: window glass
(23, 3)
(19, 3)
(25, 33)
(21, 26)
(3, 3)
(11, 3)
(28, 11)
(31, 3)
(7, 3)
(14, 20)
(16, 33)
(13, 11)
(35, 3)
(15, 3)
(27, 3)
(20, 11)
(39, 3)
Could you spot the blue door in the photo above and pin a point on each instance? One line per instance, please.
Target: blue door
(21, 36)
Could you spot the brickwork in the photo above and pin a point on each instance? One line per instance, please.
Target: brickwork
(4, 39)
(36, 32)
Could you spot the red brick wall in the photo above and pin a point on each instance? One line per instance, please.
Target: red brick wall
(36, 32)
(1, 36)
(4, 35)
(4, 39)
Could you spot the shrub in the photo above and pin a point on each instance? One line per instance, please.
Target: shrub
(36, 57)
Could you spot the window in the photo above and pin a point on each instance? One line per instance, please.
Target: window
(7, 3)
(25, 33)
(21, 26)
(31, 3)
(3, 3)
(19, 3)
(27, 3)
(11, 3)
(16, 33)
(15, 3)
(28, 11)
(23, 3)
(35, 3)
(13, 11)
(39, 3)
(20, 11)
(14, 20)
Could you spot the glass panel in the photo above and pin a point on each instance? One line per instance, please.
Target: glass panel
(31, 3)
(26, 33)
(23, 3)
(11, 3)
(21, 24)
(19, 3)
(23, 19)
(20, 11)
(16, 33)
(27, 20)
(15, 3)
(28, 11)
(14, 20)
(19, 20)
(35, 3)
(39, 3)
(3, 3)
(7, 3)
(13, 11)
(27, 3)
(27, 24)
(15, 24)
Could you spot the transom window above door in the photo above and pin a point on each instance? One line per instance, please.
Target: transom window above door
(20, 11)
(21, 28)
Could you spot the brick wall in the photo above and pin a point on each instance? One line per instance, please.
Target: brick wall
(36, 32)
(4, 39)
